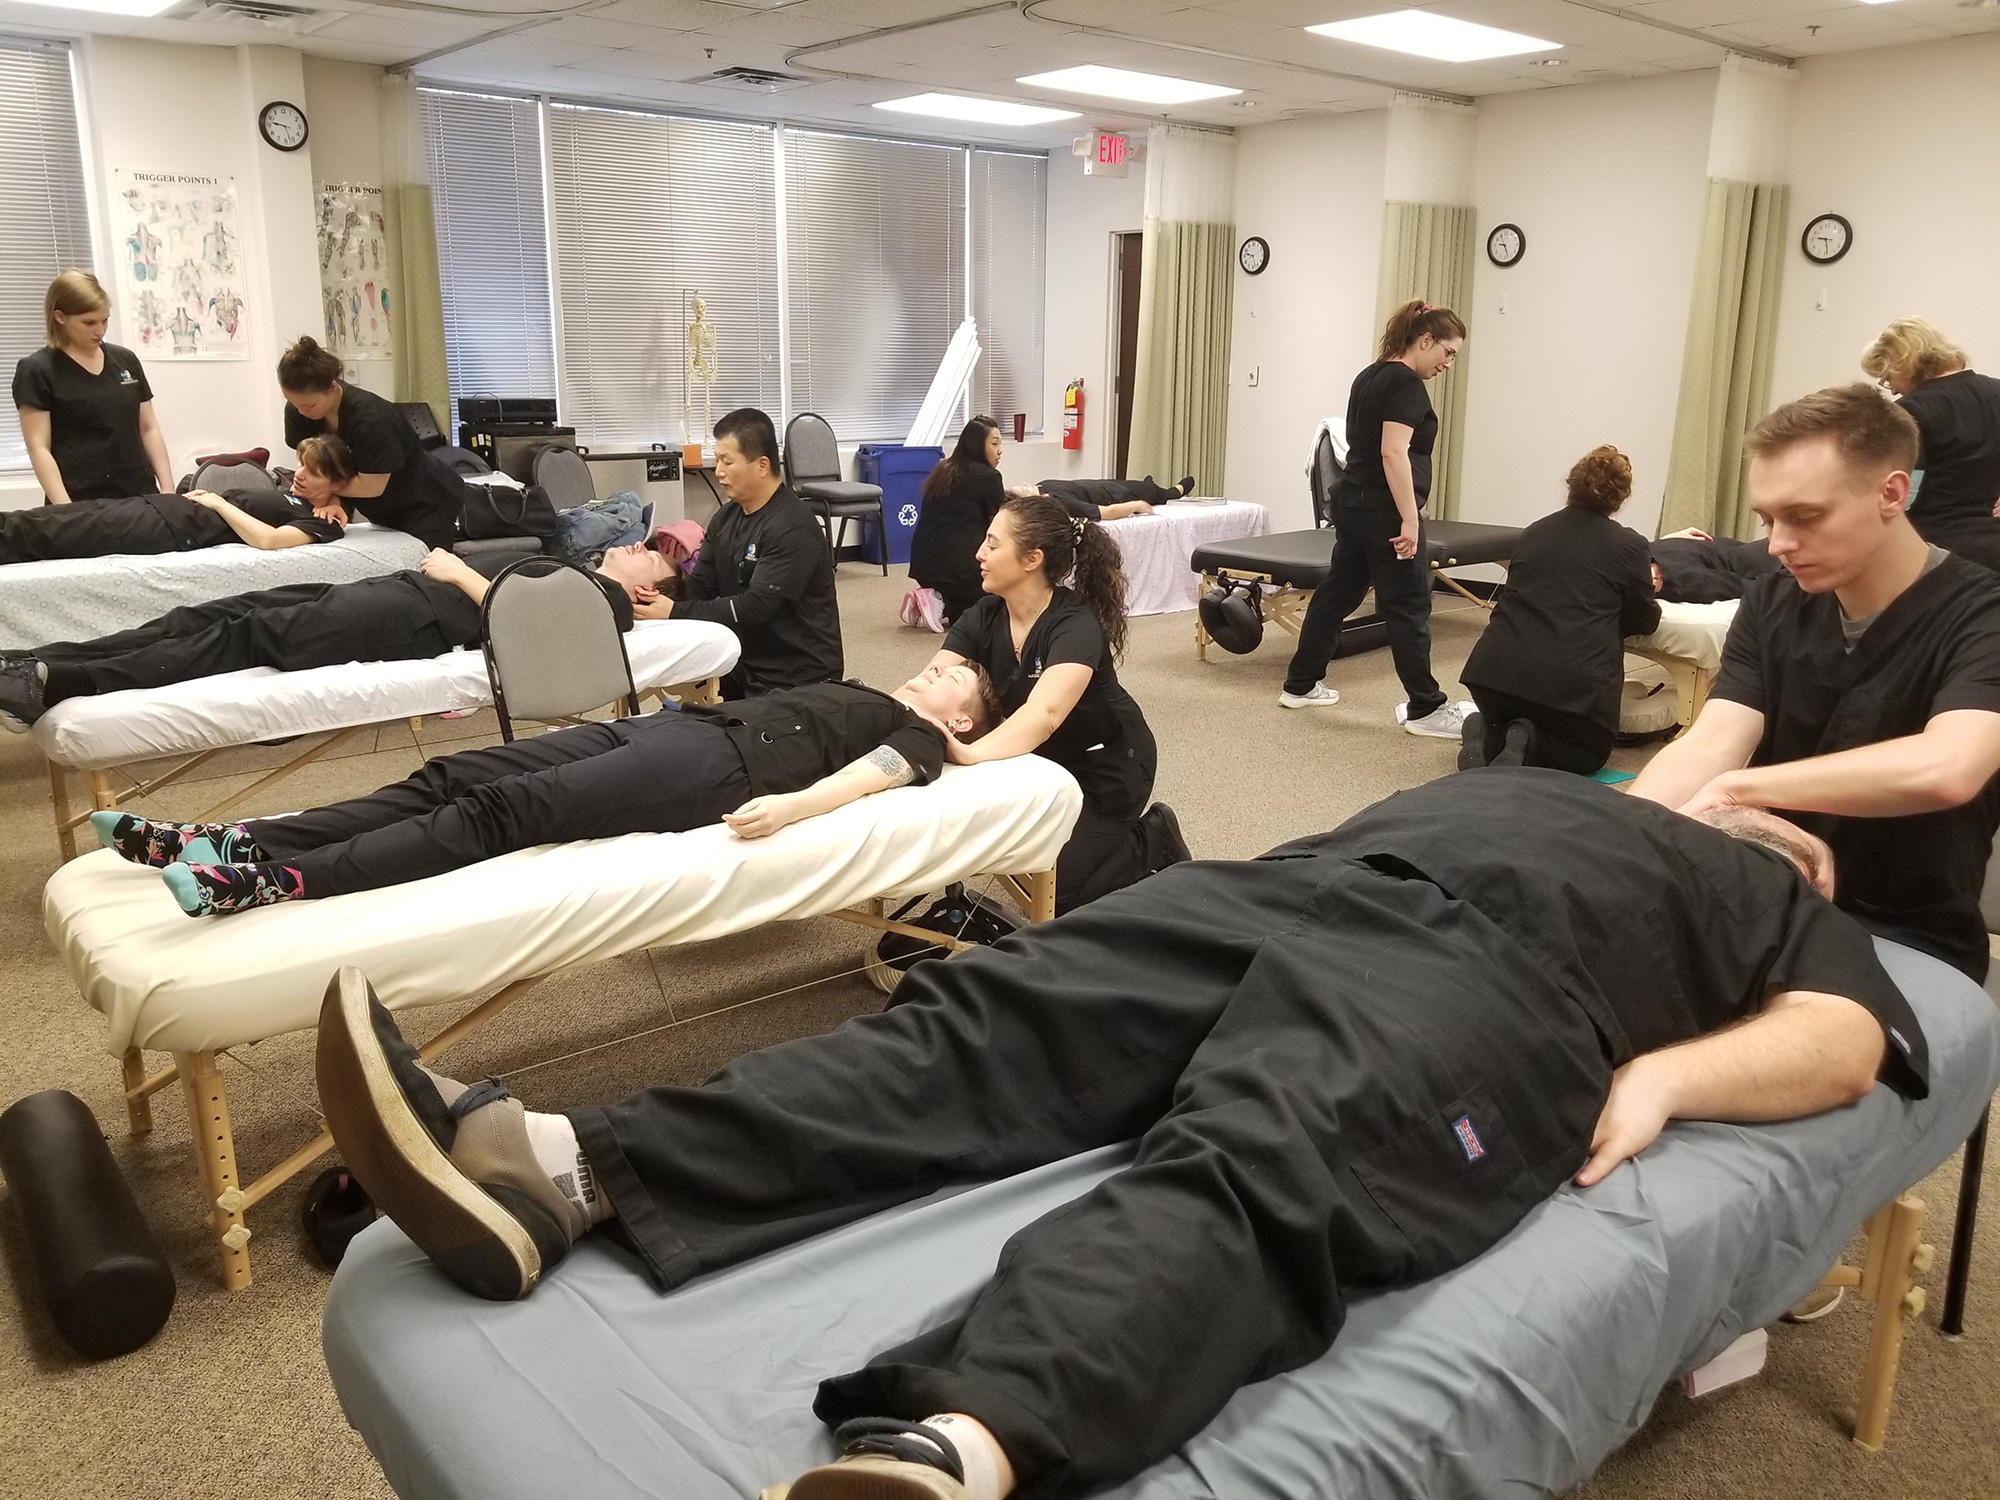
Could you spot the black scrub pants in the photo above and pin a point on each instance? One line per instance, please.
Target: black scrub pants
(1364, 555)
(1558, 740)
(291, 628)
(1085, 498)
(130, 525)
(660, 773)
(1339, 1079)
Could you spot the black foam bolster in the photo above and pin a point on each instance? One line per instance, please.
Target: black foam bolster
(107, 1286)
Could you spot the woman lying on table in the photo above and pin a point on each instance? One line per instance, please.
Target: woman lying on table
(147, 525)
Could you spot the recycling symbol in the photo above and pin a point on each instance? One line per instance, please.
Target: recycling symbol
(907, 516)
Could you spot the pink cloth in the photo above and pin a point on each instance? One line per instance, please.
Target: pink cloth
(679, 541)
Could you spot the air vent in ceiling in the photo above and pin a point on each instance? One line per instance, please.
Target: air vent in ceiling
(271, 14)
(751, 80)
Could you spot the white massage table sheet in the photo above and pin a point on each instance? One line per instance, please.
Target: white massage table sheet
(1691, 632)
(1156, 548)
(1513, 1376)
(261, 703)
(79, 599)
(169, 982)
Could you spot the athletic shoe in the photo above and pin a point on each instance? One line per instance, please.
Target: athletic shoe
(158, 844)
(1446, 722)
(1472, 743)
(335, 1210)
(922, 607)
(1164, 844)
(1186, 486)
(1816, 1304)
(451, 1165)
(1319, 695)
(882, 1458)
(22, 681)
(218, 890)
(1514, 751)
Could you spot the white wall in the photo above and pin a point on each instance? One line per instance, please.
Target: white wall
(1925, 206)
(344, 103)
(1304, 327)
(1580, 342)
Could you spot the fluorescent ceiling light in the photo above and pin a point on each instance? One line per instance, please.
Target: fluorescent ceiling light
(980, 111)
(1428, 35)
(1118, 83)
(108, 7)
(1874, 2)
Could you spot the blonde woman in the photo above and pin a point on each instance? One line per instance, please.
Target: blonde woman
(86, 409)
(1957, 412)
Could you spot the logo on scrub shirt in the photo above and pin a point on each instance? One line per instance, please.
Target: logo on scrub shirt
(125, 376)
(1035, 672)
(750, 553)
(1468, 1138)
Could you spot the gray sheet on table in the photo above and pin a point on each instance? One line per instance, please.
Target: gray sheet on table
(80, 599)
(1515, 1375)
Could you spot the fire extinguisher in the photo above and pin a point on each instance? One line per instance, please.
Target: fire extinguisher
(1073, 416)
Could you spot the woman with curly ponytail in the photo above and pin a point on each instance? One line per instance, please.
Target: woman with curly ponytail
(1049, 632)
(1547, 672)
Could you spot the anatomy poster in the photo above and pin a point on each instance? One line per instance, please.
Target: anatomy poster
(353, 262)
(180, 265)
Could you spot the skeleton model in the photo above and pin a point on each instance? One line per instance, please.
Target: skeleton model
(702, 370)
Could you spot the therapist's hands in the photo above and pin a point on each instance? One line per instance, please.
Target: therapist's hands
(1637, 1110)
(1722, 791)
(652, 605)
(1406, 539)
(761, 817)
(958, 752)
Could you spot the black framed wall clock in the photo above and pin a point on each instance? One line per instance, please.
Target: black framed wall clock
(283, 125)
(1254, 255)
(1826, 239)
(1506, 245)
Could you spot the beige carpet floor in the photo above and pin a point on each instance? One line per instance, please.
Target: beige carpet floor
(232, 1399)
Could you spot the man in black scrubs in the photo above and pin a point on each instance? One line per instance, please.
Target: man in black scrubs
(1356, 1062)
(765, 569)
(418, 613)
(1692, 567)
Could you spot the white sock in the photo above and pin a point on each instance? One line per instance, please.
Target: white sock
(557, 1153)
(976, 1450)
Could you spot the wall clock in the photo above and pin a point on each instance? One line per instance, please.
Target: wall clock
(1254, 255)
(282, 125)
(1506, 245)
(1826, 239)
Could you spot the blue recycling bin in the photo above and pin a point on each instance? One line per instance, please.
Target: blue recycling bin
(901, 472)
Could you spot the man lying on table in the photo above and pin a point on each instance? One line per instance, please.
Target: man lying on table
(756, 764)
(1356, 1062)
(418, 613)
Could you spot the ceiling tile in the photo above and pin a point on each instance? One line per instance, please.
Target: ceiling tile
(670, 15)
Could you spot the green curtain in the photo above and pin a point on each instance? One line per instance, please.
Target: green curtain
(1427, 253)
(1180, 398)
(417, 318)
(1726, 370)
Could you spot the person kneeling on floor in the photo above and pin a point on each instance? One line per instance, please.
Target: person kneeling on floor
(757, 764)
(1433, 999)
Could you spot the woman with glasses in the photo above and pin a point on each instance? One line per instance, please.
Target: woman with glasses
(1378, 522)
(1957, 411)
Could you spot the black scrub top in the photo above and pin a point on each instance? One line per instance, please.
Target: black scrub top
(195, 525)
(93, 420)
(1660, 928)
(1697, 570)
(769, 578)
(1958, 422)
(1914, 879)
(1577, 585)
(424, 495)
(1387, 391)
(791, 738)
(1105, 743)
(944, 551)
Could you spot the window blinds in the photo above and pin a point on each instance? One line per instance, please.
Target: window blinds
(650, 210)
(485, 159)
(875, 243)
(1009, 240)
(44, 214)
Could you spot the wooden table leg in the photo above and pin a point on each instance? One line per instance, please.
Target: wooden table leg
(59, 797)
(138, 1107)
(215, 1155)
(1894, 1258)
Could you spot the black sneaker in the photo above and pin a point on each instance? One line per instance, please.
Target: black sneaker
(450, 1164)
(1520, 740)
(1164, 844)
(336, 1209)
(22, 684)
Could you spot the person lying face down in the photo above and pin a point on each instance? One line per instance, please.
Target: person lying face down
(148, 525)
(1692, 567)
(756, 764)
(1358, 1061)
(418, 613)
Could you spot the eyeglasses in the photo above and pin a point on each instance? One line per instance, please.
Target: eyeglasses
(1450, 354)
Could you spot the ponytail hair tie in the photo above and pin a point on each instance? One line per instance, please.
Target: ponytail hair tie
(1425, 308)
(1077, 526)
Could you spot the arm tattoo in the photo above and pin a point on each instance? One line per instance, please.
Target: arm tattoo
(889, 761)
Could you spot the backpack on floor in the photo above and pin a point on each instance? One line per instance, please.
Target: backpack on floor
(964, 915)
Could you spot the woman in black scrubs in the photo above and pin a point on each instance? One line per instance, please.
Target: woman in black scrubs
(147, 525)
(400, 483)
(1050, 649)
(960, 499)
(1378, 526)
(1547, 672)
(1957, 412)
(86, 409)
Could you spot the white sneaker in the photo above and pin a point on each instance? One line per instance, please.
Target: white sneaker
(1446, 722)
(1319, 696)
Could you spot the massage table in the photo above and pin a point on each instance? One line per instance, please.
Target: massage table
(79, 599)
(1513, 1375)
(1291, 564)
(1155, 548)
(1689, 645)
(202, 718)
(166, 982)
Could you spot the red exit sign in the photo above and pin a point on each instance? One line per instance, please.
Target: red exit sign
(1109, 155)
